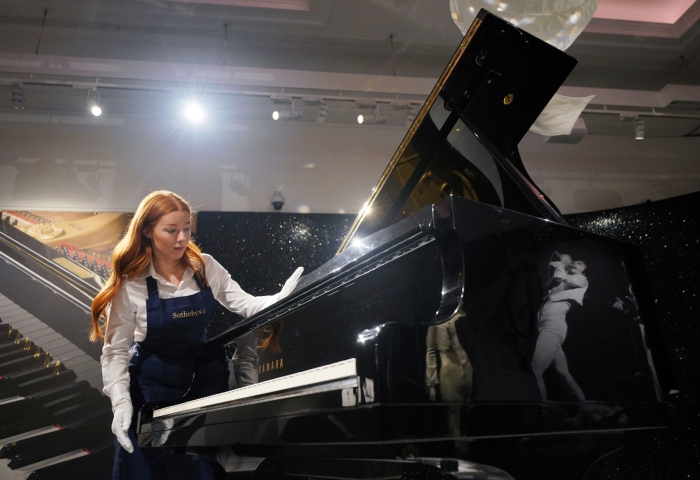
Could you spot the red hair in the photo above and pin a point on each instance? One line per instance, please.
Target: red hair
(134, 252)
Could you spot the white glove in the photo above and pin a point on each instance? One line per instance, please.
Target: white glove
(161, 431)
(290, 283)
(121, 423)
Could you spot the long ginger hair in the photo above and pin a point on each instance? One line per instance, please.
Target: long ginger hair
(134, 252)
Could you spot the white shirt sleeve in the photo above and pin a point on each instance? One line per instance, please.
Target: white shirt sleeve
(230, 294)
(116, 354)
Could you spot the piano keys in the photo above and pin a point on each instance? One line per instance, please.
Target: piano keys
(48, 419)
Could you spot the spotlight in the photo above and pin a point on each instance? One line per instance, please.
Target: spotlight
(194, 112)
(376, 117)
(93, 102)
(290, 114)
(322, 113)
(638, 129)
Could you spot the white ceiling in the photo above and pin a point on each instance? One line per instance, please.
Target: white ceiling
(146, 57)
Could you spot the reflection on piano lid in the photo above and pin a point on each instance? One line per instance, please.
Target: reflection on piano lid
(464, 139)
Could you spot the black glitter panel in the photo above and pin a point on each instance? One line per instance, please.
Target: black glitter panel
(668, 234)
(261, 250)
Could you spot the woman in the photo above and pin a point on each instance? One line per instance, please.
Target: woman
(157, 303)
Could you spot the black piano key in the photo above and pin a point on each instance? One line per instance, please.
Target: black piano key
(93, 466)
(92, 434)
(20, 364)
(48, 381)
(21, 415)
(78, 413)
(12, 340)
(47, 451)
(8, 410)
(9, 384)
(34, 385)
(89, 396)
(36, 443)
(16, 378)
(42, 398)
(59, 391)
(26, 424)
(10, 347)
(11, 354)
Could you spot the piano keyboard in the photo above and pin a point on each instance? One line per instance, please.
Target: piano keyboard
(335, 376)
(54, 421)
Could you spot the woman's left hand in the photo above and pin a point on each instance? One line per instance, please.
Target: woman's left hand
(291, 283)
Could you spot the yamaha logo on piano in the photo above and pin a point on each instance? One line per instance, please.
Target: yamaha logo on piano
(269, 366)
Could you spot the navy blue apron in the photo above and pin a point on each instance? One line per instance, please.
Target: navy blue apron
(162, 369)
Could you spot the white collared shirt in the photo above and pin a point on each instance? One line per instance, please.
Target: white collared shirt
(127, 317)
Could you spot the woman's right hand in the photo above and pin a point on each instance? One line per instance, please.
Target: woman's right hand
(121, 423)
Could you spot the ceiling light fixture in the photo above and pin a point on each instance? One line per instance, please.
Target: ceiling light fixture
(410, 116)
(639, 129)
(376, 117)
(93, 102)
(290, 114)
(194, 112)
(321, 113)
(17, 97)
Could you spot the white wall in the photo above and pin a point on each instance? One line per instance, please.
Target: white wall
(80, 163)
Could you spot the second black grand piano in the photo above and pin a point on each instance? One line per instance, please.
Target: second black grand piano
(418, 341)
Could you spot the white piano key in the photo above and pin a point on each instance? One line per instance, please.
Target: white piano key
(48, 339)
(324, 374)
(29, 434)
(16, 398)
(53, 460)
(8, 474)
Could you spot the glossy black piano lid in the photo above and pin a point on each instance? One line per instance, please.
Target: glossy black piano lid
(464, 140)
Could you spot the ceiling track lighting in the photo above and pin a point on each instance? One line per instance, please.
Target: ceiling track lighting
(290, 114)
(639, 129)
(376, 117)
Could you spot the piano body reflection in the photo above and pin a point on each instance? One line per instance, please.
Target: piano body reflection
(436, 334)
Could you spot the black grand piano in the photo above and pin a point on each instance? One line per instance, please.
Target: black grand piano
(462, 324)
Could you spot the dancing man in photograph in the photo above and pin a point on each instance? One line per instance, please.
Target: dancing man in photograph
(570, 285)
